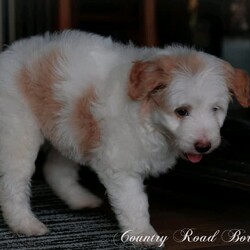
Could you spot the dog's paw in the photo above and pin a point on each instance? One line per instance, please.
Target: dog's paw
(147, 238)
(85, 201)
(29, 226)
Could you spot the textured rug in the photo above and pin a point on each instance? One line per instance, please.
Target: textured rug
(90, 229)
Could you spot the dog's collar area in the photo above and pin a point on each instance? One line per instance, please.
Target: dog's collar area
(194, 158)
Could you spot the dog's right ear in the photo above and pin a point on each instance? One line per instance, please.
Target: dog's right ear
(146, 78)
(239, 85)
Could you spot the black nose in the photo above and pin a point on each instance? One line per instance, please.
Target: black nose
(202, 147)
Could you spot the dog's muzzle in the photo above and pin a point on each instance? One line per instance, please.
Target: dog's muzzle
(201, 148)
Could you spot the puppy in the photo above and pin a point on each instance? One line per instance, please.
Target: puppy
(127, 112)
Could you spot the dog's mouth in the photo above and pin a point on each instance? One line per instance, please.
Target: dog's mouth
(194, 158)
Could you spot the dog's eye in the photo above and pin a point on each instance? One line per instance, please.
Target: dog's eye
(181, 112)
(215, 109)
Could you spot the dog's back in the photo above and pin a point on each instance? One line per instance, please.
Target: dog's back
(48, 76)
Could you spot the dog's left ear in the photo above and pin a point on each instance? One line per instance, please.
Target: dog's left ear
(239, 84)
(146, 78)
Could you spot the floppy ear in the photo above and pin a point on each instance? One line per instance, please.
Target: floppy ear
(146, 78)
(239, 84)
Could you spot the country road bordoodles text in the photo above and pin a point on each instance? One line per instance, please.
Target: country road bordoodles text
(190, 235)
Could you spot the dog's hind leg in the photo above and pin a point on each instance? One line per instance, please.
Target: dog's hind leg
(62, 176)
(20, 140)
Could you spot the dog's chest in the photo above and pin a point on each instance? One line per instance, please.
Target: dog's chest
(159, 154)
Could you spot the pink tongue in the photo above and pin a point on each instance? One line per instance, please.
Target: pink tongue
(194, 158)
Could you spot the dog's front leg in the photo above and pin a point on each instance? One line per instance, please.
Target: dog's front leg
(127, 196)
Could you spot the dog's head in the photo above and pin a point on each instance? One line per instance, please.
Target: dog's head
(185, 96)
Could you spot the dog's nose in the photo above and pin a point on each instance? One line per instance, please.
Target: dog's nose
(202, 147)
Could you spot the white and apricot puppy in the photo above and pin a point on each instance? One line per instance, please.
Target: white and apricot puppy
(125, 111)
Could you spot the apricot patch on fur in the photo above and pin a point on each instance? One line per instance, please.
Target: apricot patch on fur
(36, 82)
(238, 82)
(84, 123)
(146, 76)
(149, 79)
